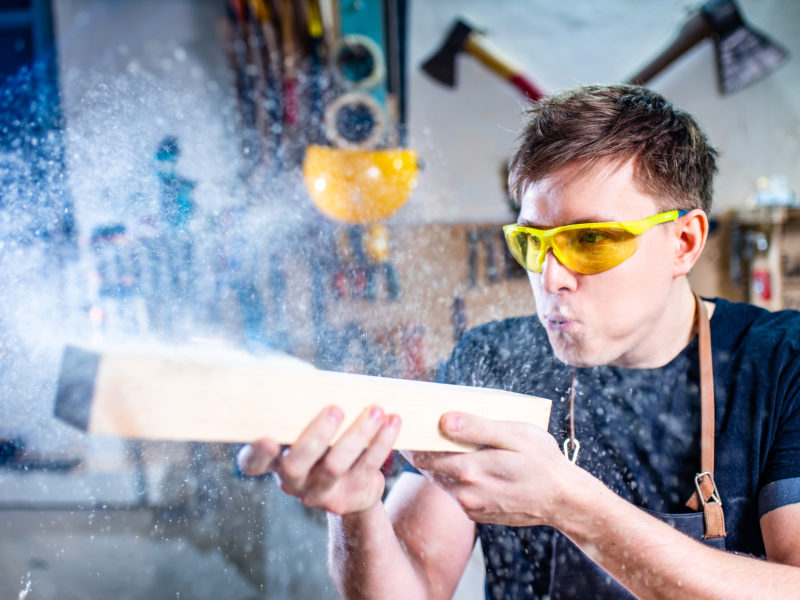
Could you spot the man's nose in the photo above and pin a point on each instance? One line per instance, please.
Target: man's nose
(557, 277)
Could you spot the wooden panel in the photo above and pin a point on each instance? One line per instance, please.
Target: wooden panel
(151, 397)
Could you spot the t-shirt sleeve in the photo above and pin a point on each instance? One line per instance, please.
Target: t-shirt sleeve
(781, 478)
(778, 493)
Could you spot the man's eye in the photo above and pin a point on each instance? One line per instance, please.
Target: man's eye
(592, 237)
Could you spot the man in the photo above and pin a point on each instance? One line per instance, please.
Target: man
(615, 344)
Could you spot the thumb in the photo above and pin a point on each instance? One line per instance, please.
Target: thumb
(471, 429)
(257, 458)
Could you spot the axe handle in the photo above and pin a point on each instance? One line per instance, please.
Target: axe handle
(479, 47)
(692, 32)
(527, 87)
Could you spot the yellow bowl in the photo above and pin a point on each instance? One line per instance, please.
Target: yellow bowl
(359, 186)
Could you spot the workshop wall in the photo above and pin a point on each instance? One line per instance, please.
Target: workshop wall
(466, 134)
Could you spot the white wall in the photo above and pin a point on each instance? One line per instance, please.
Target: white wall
(166, 56)
(465, 134)
(131, 73)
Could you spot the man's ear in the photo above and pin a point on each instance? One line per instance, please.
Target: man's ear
(691, 232)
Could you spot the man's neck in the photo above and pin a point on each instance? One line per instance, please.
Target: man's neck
(670, 334)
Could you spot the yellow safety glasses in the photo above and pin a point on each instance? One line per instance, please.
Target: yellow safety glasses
(586, 248)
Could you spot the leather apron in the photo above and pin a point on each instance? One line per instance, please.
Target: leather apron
(575, 575)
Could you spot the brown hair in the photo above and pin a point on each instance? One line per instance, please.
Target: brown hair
(674, 162)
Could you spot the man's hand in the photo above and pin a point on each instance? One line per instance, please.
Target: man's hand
(517, 477)
(342, 478)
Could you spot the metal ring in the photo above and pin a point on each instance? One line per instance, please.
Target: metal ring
(359, 43)
(577, 446)
(355, 101)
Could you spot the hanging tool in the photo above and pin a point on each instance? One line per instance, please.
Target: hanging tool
(359, 186)
(465, 38)
(358, 57)
(488, 237)
(475, 239)
(376, 247)
(357, 62)
(259, 70)
(355, 120)
(328, 14)
(744, 55)
(350, 276)
(270, 64)
(291, 104)
(395, 13)
(317, 81)
(458, 317)
(358, 118)
(235, 10)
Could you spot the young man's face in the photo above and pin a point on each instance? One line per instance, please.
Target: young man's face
(619, 316)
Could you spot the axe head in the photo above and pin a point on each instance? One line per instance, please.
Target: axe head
(744, 55)
(442, 63)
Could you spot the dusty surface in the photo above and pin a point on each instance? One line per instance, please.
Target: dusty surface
(82, 555)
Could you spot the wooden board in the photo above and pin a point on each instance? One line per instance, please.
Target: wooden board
(197, 399)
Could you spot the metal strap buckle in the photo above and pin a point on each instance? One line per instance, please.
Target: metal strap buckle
(576, 445)
(714, 492)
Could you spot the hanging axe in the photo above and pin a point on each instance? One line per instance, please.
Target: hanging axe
(743, 54)
(462, 37)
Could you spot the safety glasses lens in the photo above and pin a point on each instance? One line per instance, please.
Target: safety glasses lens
(592, 250)
(525, 247)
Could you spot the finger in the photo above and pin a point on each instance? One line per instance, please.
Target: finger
(381, 446)
(258, 457)
(447, 464)
(363, 483)
(347, 449)
(297, 461)
(471, 429)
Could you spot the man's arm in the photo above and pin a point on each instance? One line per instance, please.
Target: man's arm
(416, 547)
(653, 560)
(522, 478)
(780, 529)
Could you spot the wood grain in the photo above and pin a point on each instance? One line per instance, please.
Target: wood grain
(200, 400)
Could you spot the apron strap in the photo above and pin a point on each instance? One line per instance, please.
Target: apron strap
(706, 495)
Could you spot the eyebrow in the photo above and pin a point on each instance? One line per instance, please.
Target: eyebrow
(526, 223)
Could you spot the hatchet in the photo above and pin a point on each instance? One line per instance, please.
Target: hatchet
(465, 38)
(744, 55)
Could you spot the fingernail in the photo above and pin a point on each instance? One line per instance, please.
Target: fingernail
(376, 413)
(394, 421)
(454, 422)
(335, 414)
(245, 458)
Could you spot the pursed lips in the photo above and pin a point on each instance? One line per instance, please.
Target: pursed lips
(557, 322)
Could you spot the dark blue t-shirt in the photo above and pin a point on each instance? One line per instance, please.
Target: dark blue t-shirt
(640, 428)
